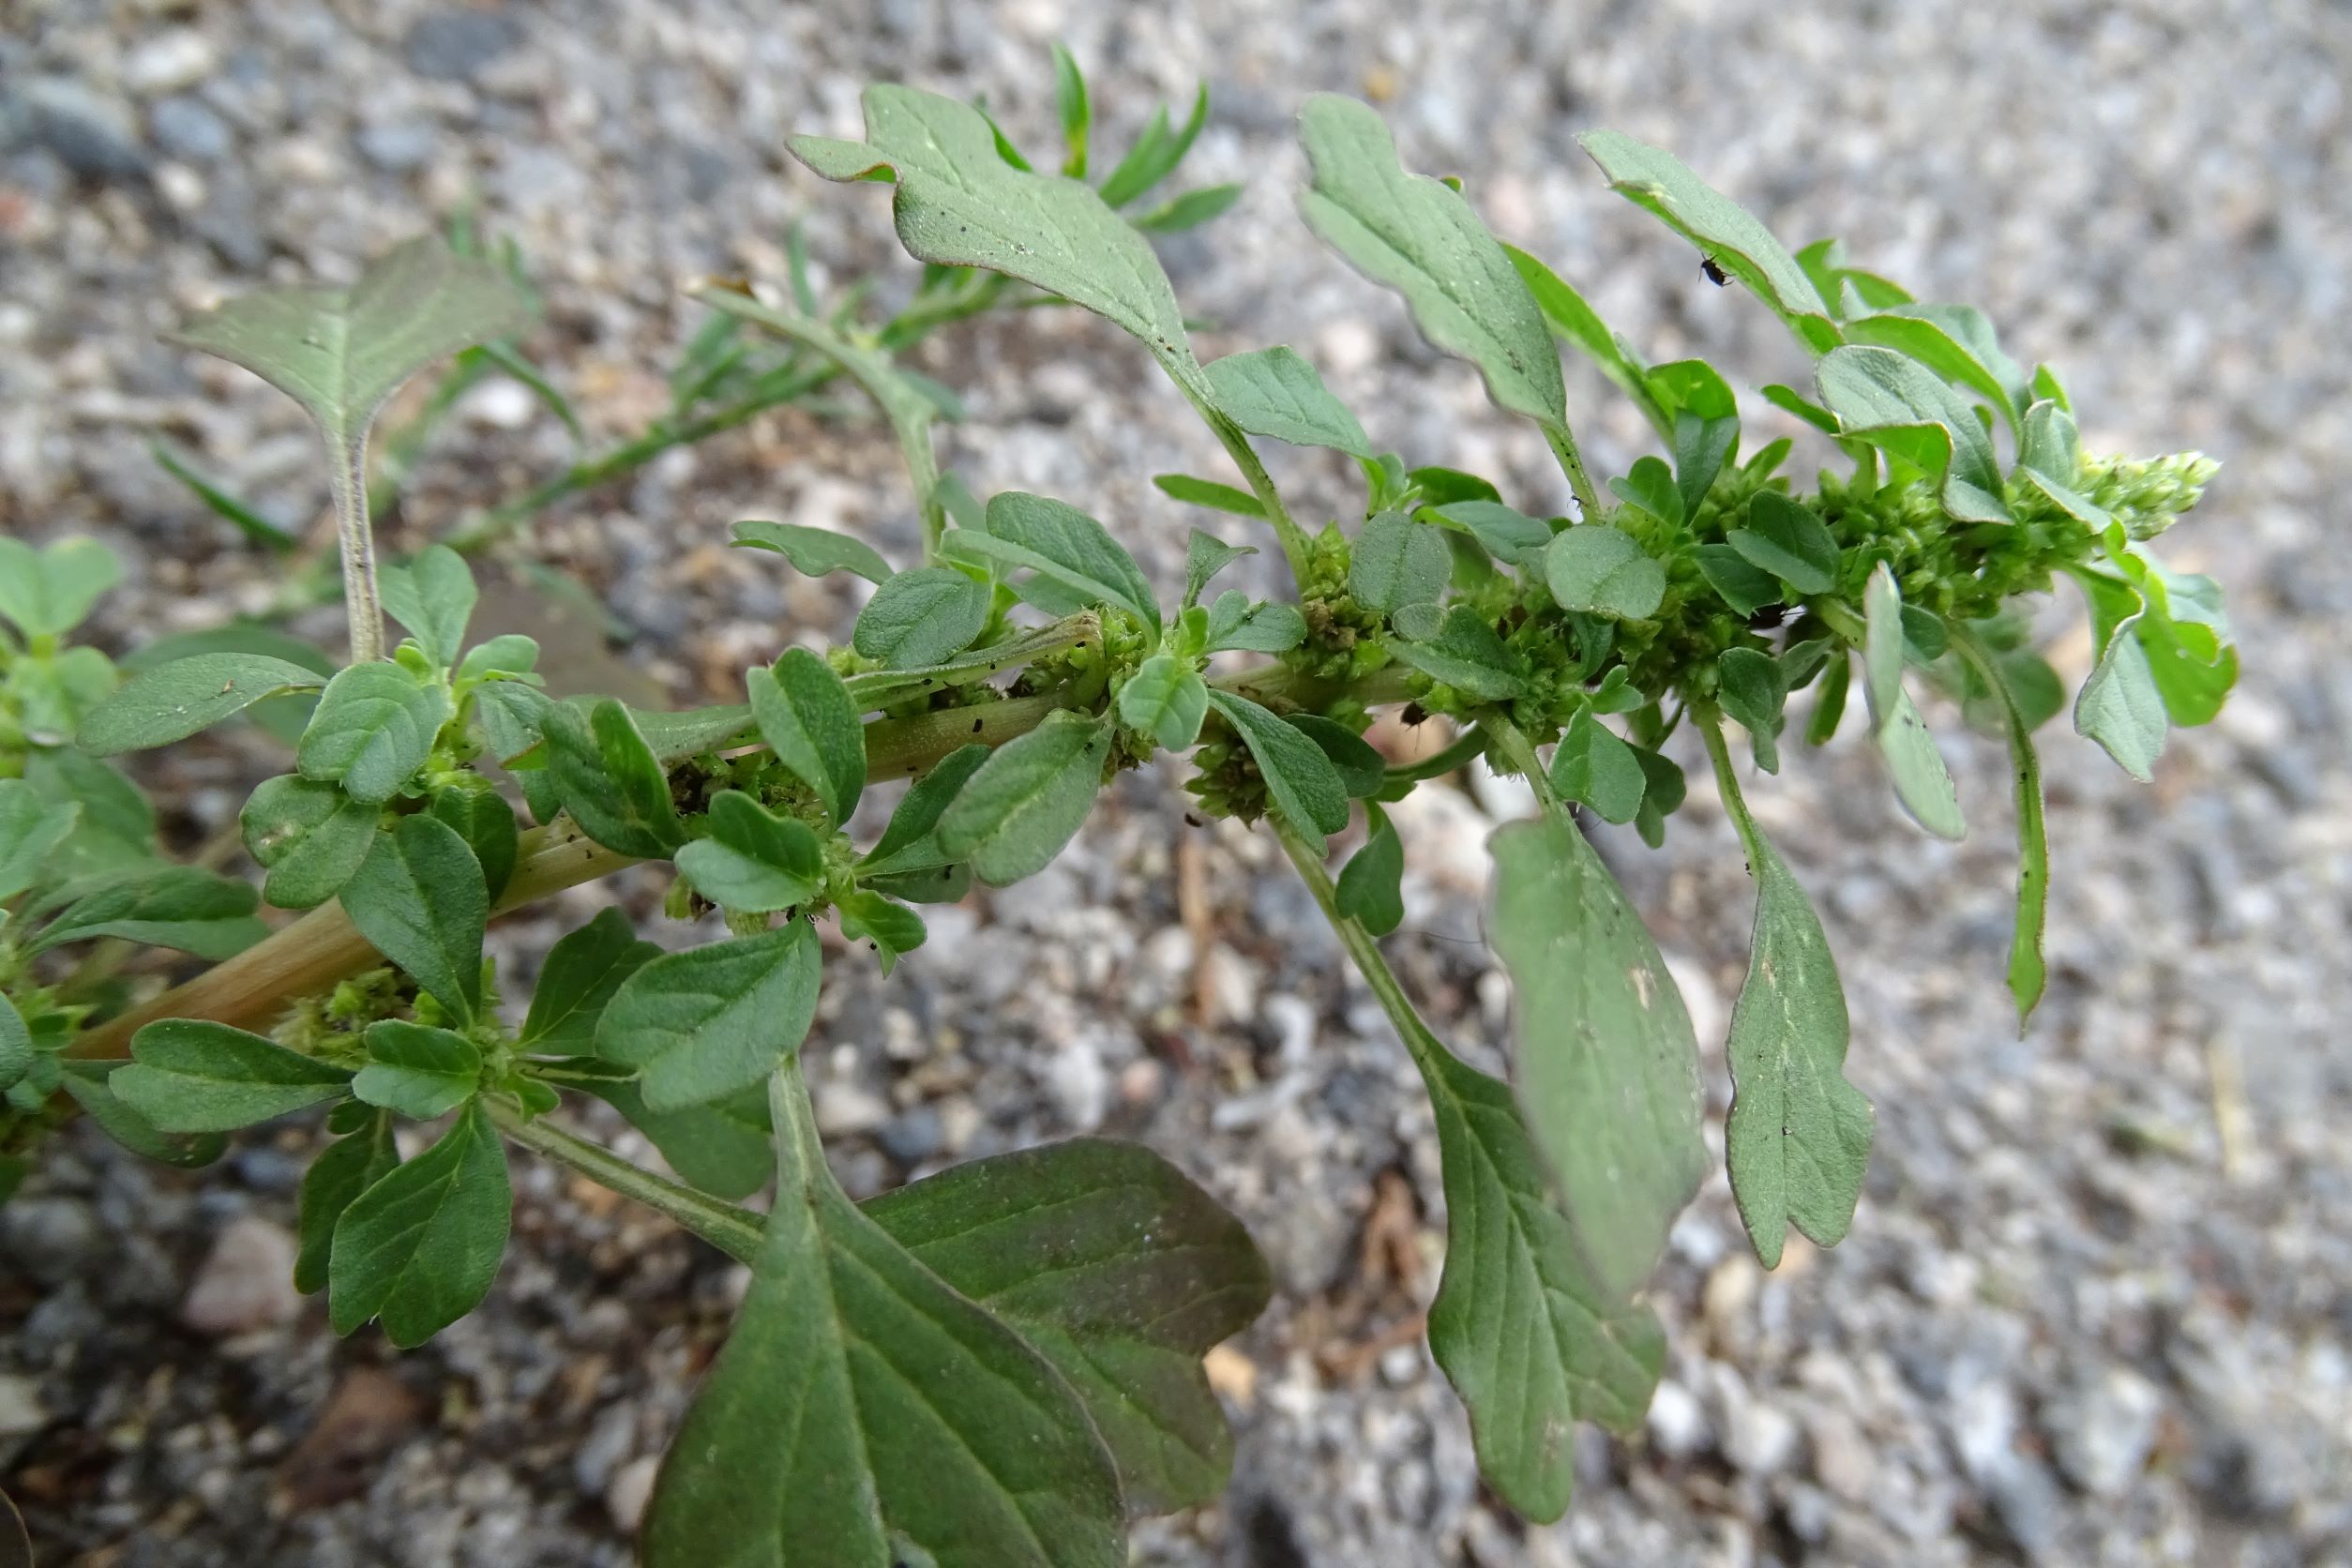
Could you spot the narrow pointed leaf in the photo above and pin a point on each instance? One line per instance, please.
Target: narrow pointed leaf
(180, 906)
(815, 552)
(1370, 890)
(374, 726)
(1305, 790)
(419, 900)
(433, 596)
(1025, 802)
(921, 617)
(174, 700)
(187, 1075)
(1797, 1138)
(342, 1171)
(1921, 781)
(1465, 654)
(753, 860)
(608, 777)
(1787, 540)
(422, 1247)
(1895, 402)
(1274, 392)
(807, 718)
(583, 970)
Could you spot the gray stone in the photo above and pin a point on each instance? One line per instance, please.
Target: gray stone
(2106, 1430)
(397, 146)
(455, 45)
(91, 134)
(913, 1134)
(51, 1239)
(246, 1283)
(183, 127)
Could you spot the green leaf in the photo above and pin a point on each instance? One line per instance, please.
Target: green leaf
(433, 596)
(1305, 790)
(1651, 487)
(891, 927)
(1702, 446)
(174, 700)
(2029, 971)
(1415, 235)
(187, 1075)
(1157, 152)
(116, 831)
(1575, 321)
(340, 353)
(1065, 545)
(1234, 623)
(1744, 586)
(1069, 96)
(508, 654)
(90, 1083)
(1599, 570)
(1829, 708)
(1205, 555)
(807, 718)
(180, 906)
(925, 616)
(1797, 1138)
(1466, 654)
(30, 829)
(1189, 210)
(1510, 536)
(308, 837)
(1116, 1269)
(1274, 392)
(1753, 694)
(911, 841)
(1804, 408)
(512, 718)
(1958, 343)
(2120, 707)
(418, 899)
(1397, 561)
(1787, 540)
(374, 726)
(1370, 890)
(342, 1171)
(418, 1070)
(753, 861)
(1604, 1059)
(608, 778)
(725, 1147)
(1166, 700)
(1593, 767)
(863, 1412)
(583, 970)
(1209, 493)
(1025, 802)
(16, 1046)
(1897, 404)
(1528, 1338)
(2184, 632)
(245, 519)
(1362, 771)
(482, 818)
(960, 205)
(1920, 781)
(47, 593)
(421, 1246)
(1724, 230)
(707, 1021)
(815, 552)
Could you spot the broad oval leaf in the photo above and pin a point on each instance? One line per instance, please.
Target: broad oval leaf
(480, 816)
(1593, 766)
(1787, 540)
(807, 718)
(1024, 803)
(925, 616)
(583, 970)
(419, 900)
(1370, 887)
(48, 591)
(374, 726)
(910, 842)
(1119, 1271)
(1397, 561)
(421, 1246)
(1893, 401)
(863, 1412)
(433, 596)
(1062, 543)
(1274, 392)
(753, 860)
(1464, 653)
(339, 1173)
(309, 837)
(607, 775)
(1599, 570)
(705, 1022)
(1958, 343)
(174, 700)
(31, 829)
(1166, 700)
(1604, 1059)
(1415, 235)
(190, 1076)
(1302, 784)
(418, 1070)
(815, 552)
(180, 906)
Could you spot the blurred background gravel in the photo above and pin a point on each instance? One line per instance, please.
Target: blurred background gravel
(2095, 1308)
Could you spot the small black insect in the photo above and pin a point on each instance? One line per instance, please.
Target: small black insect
(1194, 817)
(1767, 618)
(1415, 715)
(1715, 274)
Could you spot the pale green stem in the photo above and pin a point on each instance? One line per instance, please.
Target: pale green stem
(1563, 445)
(347, 478)
(733, 1230)
(1519, 752)
(1365, 951)
(1295, 548)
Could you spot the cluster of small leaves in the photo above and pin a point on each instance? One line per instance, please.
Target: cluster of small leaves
(1002, 1362)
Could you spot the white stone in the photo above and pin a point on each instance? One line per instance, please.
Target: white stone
(245, 1282)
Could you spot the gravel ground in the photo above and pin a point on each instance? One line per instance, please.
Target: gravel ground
(2095, 1306)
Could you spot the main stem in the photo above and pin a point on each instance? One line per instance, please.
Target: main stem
(323, 947)
(347, 477)
(733, 1230)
